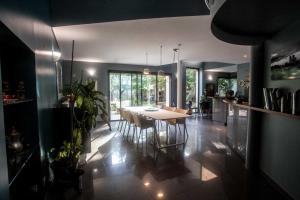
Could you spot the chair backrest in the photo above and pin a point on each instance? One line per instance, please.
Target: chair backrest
(180, 110)
(130, 118)
(170, 108)
(141, 121)
(124, 114)
(121, 111)
(136, 120)
(127, 116)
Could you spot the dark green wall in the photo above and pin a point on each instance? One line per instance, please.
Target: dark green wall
(280, 144)
(29, 20)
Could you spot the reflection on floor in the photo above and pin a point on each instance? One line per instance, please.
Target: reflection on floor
(207, 169)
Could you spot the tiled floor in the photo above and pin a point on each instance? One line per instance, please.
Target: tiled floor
(207, 169)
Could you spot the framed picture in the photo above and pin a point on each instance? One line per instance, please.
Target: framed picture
(285, 65)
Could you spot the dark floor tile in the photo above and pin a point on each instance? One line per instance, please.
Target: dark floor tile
(203, 170)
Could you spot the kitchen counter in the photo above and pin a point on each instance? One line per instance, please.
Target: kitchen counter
(219, 110)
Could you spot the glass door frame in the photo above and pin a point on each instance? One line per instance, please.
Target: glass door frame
(120, 72)
(198, 97)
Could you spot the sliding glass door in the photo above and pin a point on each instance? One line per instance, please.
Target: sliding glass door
(163, 90)
(136, 89)
(136, 94)
(125, 90)
(192, 87)
(115, 97)
(149, 90)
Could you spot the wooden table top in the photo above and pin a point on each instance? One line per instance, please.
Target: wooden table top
(157, 114)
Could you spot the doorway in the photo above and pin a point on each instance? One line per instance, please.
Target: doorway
(192, 88)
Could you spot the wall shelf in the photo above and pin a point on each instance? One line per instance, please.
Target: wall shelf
(18, 102)
(17, 64)
(262, 110)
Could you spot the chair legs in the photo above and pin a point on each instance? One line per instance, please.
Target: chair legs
(134, 133)
(124, 130)
(128, 131)
(141, 136)
(119, 124)
(179, 129)
(184, 132)
(138, 141)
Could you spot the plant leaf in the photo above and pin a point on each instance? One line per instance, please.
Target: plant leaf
(79, 101)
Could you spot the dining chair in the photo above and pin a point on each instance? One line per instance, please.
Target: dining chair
(143, 123)
(182, 121)
(130, 122)
(177, 122)
(121, 121)
(125, 122)
(168, 109)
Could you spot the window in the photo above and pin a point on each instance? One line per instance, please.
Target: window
(136, 89)
(225, 84)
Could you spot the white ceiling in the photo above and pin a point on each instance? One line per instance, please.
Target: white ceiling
(128, 41)
(229, 69)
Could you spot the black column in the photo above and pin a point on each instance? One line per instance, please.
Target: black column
(257, 66)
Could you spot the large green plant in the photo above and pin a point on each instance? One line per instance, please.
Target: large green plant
(89, 104)
(223, 86)
(70, 151)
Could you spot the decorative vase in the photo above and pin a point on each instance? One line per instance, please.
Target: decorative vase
(14, 141)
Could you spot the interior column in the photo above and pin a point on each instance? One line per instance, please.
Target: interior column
(179, 84)
(257, 66)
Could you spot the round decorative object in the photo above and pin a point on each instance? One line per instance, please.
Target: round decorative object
(15, 143)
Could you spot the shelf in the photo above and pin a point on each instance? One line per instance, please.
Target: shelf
(263, 110)
(18, 102)
(276, 113)
(27, 155)
(245, 106)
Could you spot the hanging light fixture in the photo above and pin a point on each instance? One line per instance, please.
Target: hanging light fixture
(146, 70)
(176, 50)
(161, 72)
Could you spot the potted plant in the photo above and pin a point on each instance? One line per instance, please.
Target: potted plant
(87, 105)
(64, 162)
(204, 104)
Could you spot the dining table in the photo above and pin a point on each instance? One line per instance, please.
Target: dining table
(158, 115)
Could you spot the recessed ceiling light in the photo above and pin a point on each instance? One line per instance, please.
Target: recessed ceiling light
(210, 77)
(245, 56)
(91, 72)
(160, 195)
(146, 184)
(95, 170)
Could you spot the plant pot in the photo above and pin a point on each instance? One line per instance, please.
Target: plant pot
(67, 175)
